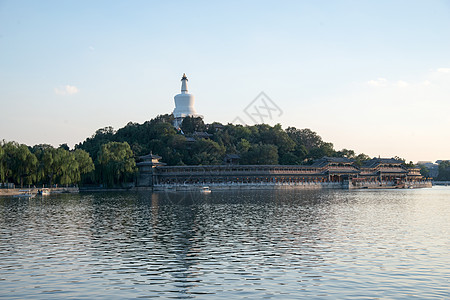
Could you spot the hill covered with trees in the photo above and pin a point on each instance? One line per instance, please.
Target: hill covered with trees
(198, 143)
(109, 157)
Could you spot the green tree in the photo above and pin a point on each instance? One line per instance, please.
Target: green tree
(66, 167)
(58, 166)
(300, 152)
(206, 152)
(444, 171)
(64, 146)
(192, 124)
(211, 128)
(346, 153)
(116, 163)
(243, 146)
(290, 159)
(305, 137)
(8, 160)
(44, 154)
(276, 136)
(21, 164)
(2, 164)
(85, 164)
(424, 171)
(410, 165)
(325, 149)
(360, 159)
(260, 154)
(236, 132)
(93, 144)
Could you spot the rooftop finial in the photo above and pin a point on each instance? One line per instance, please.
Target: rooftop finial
(184, 81)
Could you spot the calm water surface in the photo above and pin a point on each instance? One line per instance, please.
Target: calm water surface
(258, 244)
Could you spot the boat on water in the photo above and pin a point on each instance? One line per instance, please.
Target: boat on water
(25, 194)
(205, 189)
(44, 192)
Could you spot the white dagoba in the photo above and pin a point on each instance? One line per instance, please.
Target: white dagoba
(184, 104)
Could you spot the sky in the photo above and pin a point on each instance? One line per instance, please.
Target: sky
(372, 76)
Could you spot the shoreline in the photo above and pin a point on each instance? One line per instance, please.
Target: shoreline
(34, 191)
(197, 187)
(306, 186)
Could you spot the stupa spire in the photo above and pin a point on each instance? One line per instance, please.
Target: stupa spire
(184, 81)
(184, 104)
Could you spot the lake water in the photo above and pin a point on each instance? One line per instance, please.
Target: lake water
(241, 244)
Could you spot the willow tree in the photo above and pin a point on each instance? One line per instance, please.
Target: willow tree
(60, 165)
(20, 164)
(85, 164)
(65, 167)
(2, 163)
(116, 163)
(45, 171)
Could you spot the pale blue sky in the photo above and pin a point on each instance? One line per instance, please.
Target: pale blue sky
(373, 76)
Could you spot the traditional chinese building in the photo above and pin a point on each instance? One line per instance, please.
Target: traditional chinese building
(384, 170)
(147, 174)
(337, 169)
(326, 172)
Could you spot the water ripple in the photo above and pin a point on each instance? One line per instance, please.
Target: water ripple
(255, 244)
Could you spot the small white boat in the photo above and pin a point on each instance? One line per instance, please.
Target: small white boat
(44, 192)
(25, 194)
(205, 189)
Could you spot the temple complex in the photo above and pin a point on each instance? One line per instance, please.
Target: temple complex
(327, 172)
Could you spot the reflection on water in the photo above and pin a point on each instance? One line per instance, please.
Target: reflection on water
(289, 244)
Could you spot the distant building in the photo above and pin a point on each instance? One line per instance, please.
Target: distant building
(184, 104)
(423, 162)
(217, 126)
(334, 171)
(433, 168)
(386, 169)
(201, 135)
(146, 175)
(231, 159)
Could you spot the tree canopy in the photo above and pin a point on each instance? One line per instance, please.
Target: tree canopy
(109, 156)
(444, 171)
(42, 164)
(116, 163)
(198, 143)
